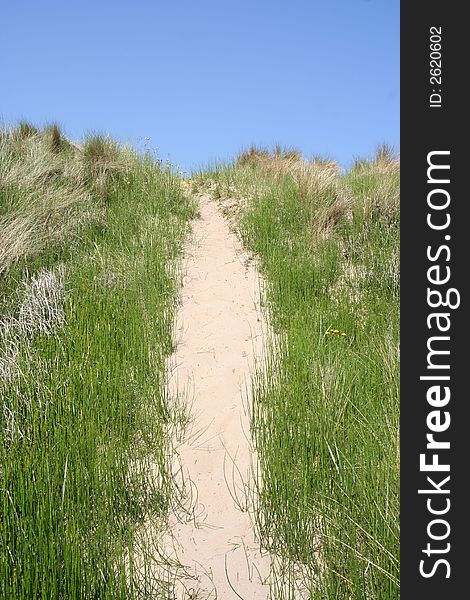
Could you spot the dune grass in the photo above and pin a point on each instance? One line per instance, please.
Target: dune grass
(90, 239)
(325, 407)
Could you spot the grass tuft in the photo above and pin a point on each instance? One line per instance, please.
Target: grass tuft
(53, 135)
(100, 152)
(26, 130)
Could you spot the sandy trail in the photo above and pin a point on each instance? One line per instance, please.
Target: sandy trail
(219, 332)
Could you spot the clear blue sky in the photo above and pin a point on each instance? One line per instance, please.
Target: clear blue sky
(203, 78)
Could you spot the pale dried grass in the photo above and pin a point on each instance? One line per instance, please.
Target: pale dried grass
(49, 187)
(41, 310)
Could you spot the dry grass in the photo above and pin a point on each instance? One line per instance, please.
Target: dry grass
(54, 138)
(40, 303)
(25, 130)
(376, 185)
(312, 178)
(318, 182)
(385, 161)
(371, 186)
(49, 186)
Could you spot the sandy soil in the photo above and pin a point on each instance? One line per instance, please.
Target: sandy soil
(219, 333)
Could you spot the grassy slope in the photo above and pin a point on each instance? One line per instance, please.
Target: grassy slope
(88, 275)
(326, 409)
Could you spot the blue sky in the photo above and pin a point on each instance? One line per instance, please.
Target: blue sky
(200, 79)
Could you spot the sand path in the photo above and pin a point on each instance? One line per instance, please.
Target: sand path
(219, 332)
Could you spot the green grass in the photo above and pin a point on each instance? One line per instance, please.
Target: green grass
(88, 282)
(325, 408)
(91, 237)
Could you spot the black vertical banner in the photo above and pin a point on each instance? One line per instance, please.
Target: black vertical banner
(435, 259)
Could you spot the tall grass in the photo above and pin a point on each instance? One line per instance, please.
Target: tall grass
(90, 238)
(325, 409)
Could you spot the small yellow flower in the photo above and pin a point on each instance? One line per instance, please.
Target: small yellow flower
(330, 331)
